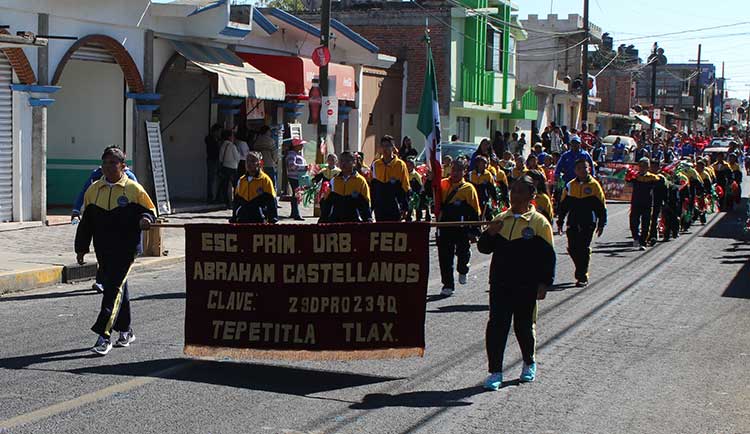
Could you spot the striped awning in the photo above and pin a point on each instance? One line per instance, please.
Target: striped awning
(235, 77)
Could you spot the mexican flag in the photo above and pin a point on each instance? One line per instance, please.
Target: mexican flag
(429, 124)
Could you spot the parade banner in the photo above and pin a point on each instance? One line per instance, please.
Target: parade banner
(612, 178)
(322, 292)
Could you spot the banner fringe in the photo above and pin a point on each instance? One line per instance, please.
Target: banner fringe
(202, 351)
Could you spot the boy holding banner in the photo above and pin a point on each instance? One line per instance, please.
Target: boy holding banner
(459, 202)
(349, 199)
(254, 198)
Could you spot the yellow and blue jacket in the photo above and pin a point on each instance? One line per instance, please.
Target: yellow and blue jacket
(583, 203)
(543, 205)
(643, 187)
(390, 185)
(484, 183)
(112, 215)
(523, 253)
(348, 201)
(459, 202)
(254, 200)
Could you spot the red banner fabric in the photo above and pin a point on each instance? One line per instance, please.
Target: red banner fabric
(612, 178)
(323, 292)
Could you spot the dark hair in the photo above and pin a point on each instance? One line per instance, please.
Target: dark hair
(454, 138)
(387, 139)
(215, 127)
(527, 182)
(264, 129)
(114, 152)
(347, 154)
(226, 134)
(581, 160)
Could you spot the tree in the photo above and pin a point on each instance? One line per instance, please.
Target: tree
(291, 6)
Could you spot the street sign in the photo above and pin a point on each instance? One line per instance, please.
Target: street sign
(321, 56)
(657, 114)
(329, 110)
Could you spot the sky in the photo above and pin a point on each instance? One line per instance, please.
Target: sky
(626, 19)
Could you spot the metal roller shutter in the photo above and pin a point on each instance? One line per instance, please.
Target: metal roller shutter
(6, 140)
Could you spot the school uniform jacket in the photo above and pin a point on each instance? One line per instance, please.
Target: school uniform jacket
(112, 215)
(415, 182)
(583, 203)
(643, 188)
(254, 200)
(484, 183)
(390, 185)
(348, 201)
(459, 202)
(523, 253)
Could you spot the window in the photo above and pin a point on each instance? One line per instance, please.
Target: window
(463, 128)
(511, 56)
(559, 117)
(493, 52)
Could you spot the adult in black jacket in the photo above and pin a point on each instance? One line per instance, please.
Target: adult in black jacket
(659, 198)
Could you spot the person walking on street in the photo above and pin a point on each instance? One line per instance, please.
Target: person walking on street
(659, 199)
(296, 167)
(213, 144)
(349, 197)
(390, 184)
(584, 205)
(513, 238)
(459, 202)
(115, 211)
(255, 197)
(268, 148)
(566, 166)
(641, 203)
(75, 216)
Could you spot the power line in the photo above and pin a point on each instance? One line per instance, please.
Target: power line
(687, 31)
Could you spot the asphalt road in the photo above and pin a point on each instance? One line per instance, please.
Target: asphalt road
(659, 342)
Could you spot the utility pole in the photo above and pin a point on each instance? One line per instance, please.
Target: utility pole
(697, 96)
(325, 33)
(721, 97)
(585, 66)
(654, 61)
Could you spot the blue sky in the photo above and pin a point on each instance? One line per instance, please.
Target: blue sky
(627, 19)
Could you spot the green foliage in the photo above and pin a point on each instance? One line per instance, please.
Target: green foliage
(291, 6)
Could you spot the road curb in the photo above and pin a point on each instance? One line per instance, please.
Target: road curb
(16, 281)
(19, 281)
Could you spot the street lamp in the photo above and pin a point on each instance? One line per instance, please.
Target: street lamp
(657, 57)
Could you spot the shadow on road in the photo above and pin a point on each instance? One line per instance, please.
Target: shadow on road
(429, 398)
(22, 362)
(50, 295)
(740, 285)
(251, 376)
(461, 308)
(165, 296)
(731, 224)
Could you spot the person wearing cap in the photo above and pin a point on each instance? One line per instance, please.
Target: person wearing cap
(115, 211)
(566, 166)
(390, 184)
(349, 197)
(255, 196)
(582, 202)
(296, 167)
(513, 237)
(641, 203)
(484, 183)
(459, 202)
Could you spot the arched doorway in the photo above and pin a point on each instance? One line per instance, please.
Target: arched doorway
(91, 111)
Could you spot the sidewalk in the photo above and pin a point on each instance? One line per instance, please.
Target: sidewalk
(33, 256)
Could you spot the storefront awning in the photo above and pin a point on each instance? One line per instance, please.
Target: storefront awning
(297, 73)
(235, 77)
(647, 120)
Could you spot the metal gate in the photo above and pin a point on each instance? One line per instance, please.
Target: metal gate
(6, 140)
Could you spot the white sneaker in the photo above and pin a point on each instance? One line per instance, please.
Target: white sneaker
(642, 248)
(102, 346)
(462, 279)
(446, 291)
(636, 244)
(97, 287)
(125, 339)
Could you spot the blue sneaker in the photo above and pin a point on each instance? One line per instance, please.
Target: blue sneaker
(528, 373)
(494, 381)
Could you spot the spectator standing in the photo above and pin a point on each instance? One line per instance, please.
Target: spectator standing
(229, 157)
(266, 145)
(406, 150)
(212, 162)
(296, 167)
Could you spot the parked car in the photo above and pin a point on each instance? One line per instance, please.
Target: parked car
(720, 142)
(714, 150)
(454, 149)
(629, 142)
